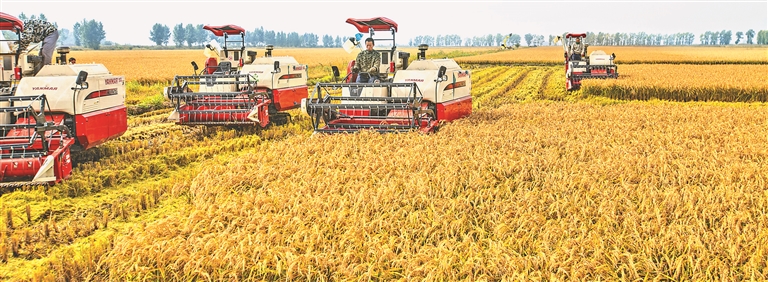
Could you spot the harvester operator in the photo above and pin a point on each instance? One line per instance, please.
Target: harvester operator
(36, 30)
(576, 49)
(368, 60)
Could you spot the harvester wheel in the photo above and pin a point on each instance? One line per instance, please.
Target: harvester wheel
(429, 117)
(280, 119)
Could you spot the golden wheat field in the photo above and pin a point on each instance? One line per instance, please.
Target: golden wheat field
(537, 184)
(549, 55)
(153, 66)
(729, 83)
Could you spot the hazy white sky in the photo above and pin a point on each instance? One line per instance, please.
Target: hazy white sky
(130, 22)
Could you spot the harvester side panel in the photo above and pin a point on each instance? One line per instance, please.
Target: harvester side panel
(454, 109)
(96, 128)
(289, 98)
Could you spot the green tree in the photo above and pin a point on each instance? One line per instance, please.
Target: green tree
(92, 33)
(160, 34)
(725, 37)
(270, 37)
(258, 36)
(191, 34)
(750, 35)
(739, 35)
(528, 39)
(202, 35)
(63, 36)
(280, 39)
(179, 35)
(76, 34)
(762, 37)
(327, 41)
(294, 40)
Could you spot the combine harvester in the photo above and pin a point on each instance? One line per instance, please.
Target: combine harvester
(419, 96)
(236, 88)
(64, 108)
(504, 45)
(597, 65)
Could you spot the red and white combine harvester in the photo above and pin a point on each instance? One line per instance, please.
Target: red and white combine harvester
(417, 97)
(63, 108)
(597, 65)
(237, 88)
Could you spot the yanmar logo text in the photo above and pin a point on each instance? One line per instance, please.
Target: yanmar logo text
(36, 88)
(114, 80)
(462, 74)
(414, 80)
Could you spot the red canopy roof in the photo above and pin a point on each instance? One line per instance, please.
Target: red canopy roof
(8, 22)
(220, 30)
(378, 24)
(575, 35)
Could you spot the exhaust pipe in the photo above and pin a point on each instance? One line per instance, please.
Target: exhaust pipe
(63, 51)
(422, 55)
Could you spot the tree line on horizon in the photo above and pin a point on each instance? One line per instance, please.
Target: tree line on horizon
(91, 34)
(724, 37)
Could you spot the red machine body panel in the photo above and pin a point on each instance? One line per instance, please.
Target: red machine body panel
(97, 127)
(454, 109)
(289, 98)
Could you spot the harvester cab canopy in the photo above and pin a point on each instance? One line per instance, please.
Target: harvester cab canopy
(8, 22)
(220, 30)
(231, 54)
(376, 24)
(575, 35)
(569, 38)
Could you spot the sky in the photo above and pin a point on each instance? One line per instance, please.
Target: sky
(130, 22)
